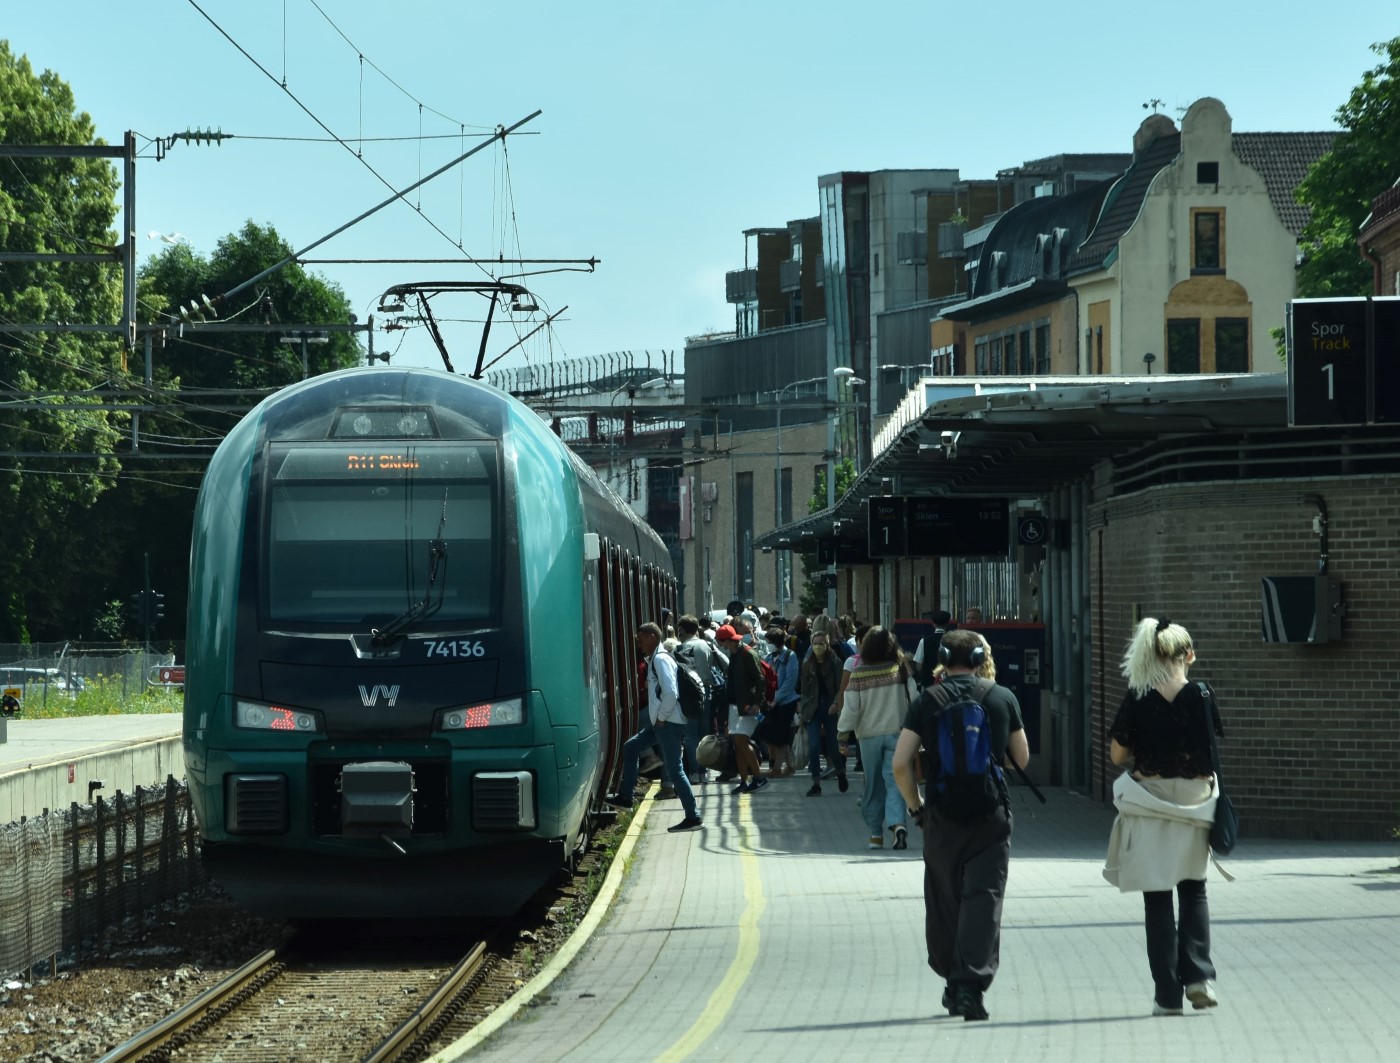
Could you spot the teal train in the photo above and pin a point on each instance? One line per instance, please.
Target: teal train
(410, 654)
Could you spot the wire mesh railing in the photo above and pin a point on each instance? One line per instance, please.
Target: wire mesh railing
(71, 876)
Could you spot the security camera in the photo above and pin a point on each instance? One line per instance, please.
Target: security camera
(949, 442)
(948, 438)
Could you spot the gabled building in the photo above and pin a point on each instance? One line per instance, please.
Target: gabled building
(1183, 263)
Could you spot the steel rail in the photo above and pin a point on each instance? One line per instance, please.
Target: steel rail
(250, 977)
(423, 1020)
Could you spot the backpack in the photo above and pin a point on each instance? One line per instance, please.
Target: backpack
(770, 679)
(930, 661)
(965, 778)
(689, 686)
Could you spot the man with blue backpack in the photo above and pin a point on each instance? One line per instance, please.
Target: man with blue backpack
(969, 729)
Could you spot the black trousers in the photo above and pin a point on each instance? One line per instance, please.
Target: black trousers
(965, 867)
(1178, 951)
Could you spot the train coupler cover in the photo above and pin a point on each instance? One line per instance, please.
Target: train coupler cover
(376, 799)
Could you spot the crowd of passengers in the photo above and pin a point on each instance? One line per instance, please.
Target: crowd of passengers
(839, 694)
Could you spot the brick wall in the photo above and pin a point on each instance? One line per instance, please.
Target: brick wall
(1312, 738)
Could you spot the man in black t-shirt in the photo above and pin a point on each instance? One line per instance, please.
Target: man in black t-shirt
(965, 863)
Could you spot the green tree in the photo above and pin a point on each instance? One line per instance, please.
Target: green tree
(51, 205)
(813, 598)
(245, 361)
(152, 510)
(1363, 162)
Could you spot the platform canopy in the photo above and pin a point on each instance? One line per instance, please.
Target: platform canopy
(1025, 437)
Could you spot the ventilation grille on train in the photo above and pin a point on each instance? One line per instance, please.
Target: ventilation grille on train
(255, 804)
(503, 800)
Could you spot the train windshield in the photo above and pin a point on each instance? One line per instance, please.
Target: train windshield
(361, 538)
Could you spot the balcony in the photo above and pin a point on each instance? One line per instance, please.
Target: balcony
(741, 285)
(912, 247)
(950, 239)
(790, 276)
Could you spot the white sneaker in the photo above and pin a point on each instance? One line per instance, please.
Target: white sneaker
(1202, 995)
(1157, 1009)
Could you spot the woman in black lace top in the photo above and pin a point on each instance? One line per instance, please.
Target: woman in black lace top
(1166, 805)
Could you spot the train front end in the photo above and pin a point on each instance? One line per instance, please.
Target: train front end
(364, 733)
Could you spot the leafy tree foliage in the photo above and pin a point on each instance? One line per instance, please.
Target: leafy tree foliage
(80, 509)
(51, 205)
(1364, 161)
(813, 598)
(255, 360)
(152, 511)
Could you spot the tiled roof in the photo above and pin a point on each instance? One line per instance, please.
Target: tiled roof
(1282, 160)
(1123, 204)
(1383, 207)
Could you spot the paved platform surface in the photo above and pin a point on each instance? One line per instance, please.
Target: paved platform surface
(34, 742)
(775, 934)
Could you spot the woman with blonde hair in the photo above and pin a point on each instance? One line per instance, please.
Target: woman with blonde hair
(1166, 805)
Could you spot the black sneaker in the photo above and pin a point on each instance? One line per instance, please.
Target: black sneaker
(618, 801)
(758, 784)
(687, 824)
(949, 999)
(968, 1004)
(816, 790)
(841, 783)
(742, 788)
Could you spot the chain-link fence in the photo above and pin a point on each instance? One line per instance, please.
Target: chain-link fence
(45, 670)
(70, 876)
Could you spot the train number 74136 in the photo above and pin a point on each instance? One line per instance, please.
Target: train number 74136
(454, 648)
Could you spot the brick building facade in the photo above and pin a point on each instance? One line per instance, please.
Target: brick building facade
(1311, 734)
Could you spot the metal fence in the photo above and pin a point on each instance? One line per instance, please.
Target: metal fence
(992, 586)
(71, 876)
(75, 665)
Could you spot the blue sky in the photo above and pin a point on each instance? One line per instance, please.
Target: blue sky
(667, 129)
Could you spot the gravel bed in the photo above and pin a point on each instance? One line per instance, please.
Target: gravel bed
(131, 979)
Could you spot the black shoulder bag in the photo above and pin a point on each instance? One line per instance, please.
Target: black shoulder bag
(1225, 830)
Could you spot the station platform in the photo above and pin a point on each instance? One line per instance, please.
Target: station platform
(776, 934)
(51, 763)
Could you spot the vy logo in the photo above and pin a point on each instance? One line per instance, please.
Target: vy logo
(370, 695)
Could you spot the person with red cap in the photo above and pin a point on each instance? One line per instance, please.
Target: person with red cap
(747, 696)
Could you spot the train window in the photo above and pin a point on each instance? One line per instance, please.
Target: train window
(355, 537)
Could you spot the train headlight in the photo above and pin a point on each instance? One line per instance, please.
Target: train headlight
(258, 716)
(488, 714)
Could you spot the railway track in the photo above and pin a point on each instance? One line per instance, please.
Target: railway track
(293, 1004)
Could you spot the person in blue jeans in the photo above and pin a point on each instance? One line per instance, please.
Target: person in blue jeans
(695, 651)
(818, 682)
(877, 700)
(665, 726)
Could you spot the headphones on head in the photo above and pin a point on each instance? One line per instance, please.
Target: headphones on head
(976, 657)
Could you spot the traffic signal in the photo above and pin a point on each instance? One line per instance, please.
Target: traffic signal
(138, 608)
(157, 608)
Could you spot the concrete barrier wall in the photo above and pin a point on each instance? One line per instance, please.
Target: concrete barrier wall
(56, 783)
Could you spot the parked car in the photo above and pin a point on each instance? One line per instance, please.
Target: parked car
(27, 682)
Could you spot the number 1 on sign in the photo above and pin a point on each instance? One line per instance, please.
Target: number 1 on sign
(1329, 369)
(887, 536)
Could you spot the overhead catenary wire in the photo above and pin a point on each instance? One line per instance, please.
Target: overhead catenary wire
(344, 144)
